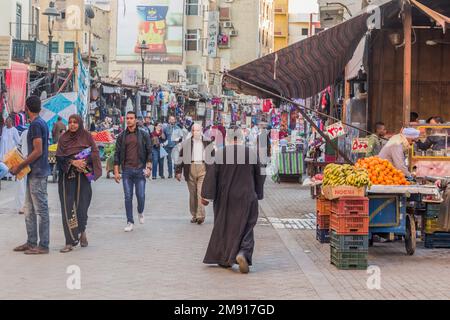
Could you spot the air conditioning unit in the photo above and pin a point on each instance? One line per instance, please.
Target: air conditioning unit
(228, 24)
(233, 33)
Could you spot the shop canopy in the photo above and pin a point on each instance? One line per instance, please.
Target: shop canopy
(310, 65)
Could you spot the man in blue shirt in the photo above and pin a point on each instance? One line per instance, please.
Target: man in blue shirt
(172, 136)
(36, 199)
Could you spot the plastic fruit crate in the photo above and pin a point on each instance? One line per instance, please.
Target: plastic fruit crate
(437, 240)
(349, 243)
(432, 225)
(349, 225)
(323, 222)
(323, 206)
(358, 206)
(348, 260)
(323, 235)
(433, 210)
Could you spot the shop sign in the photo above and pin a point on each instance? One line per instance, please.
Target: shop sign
(335, 130)
(360, 145)
(64, 60)
(213, 32)
(5, 52)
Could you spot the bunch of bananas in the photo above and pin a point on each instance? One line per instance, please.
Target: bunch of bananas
(340, 175)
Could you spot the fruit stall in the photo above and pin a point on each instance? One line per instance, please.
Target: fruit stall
(372, 198)
(431, 155)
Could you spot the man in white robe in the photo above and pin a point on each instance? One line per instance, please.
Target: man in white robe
(9, 140)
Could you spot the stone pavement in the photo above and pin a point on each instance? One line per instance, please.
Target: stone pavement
(163, 258)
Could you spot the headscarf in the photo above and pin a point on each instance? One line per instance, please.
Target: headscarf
(399, 139)
(72, 143)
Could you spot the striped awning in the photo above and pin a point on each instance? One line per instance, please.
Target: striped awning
(303, 68)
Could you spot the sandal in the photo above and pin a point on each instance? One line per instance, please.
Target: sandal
(83, 240)
(66, 249)
(194, 220)
(200, 220)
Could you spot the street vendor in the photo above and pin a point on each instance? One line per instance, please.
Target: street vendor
(376, 141)
(397, 148)
(434, 142)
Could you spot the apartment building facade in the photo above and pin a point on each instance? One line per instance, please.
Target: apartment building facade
(303, 25)
(281, 24)
(189, 42)
(73, 27)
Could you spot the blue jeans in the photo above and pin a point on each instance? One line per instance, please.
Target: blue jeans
(36, 205)
(157, 162)
(132, 178)
(169, 160)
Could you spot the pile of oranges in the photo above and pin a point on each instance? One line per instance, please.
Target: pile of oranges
(382, 172)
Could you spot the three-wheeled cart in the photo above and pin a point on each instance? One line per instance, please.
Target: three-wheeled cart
(388, 214)
(288, 163)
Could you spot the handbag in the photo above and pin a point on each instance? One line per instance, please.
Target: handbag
(162, 152)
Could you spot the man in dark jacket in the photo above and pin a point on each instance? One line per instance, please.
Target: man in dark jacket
(133, 154)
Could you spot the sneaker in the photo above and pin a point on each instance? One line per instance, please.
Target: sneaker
(141, 219)
(170, 177)
(162, 177)
(129, 227)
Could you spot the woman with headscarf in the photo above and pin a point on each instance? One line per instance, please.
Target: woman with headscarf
(74, 187)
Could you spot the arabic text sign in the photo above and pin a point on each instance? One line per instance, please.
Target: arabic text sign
(213, 32)
(335, 130)
(360, 145)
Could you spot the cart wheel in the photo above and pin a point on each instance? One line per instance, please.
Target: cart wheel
(410, 235)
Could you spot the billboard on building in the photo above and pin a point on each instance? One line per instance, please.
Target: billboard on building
(157, 22)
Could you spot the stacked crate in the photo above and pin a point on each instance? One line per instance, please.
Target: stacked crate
(349, 225)
(435, 237)
(323, 212)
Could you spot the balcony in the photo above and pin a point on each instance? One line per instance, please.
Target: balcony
(30, 52)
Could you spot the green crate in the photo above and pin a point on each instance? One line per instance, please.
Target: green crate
(433, 210)
(352, 243)
(348, 260)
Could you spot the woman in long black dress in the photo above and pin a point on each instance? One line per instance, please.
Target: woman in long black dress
(74, 187)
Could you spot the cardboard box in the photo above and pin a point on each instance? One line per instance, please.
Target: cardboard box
(332, 193)
(13, 158)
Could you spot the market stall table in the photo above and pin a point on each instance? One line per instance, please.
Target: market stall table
(388, 214)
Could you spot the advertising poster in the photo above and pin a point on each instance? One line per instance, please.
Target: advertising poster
(158, 23)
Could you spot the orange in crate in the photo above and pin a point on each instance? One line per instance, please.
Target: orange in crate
(323, 206)
(349, 225)
(355, 206)
(323, 222)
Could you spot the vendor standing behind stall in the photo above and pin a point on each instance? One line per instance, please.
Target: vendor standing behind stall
(397, 148)
(376, 140)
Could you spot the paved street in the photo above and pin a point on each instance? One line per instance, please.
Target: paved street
(163, 258)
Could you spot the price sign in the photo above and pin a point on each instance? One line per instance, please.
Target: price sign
(335, 130)
(360, 145)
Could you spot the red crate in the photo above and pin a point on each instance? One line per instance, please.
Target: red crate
(349, 225)
(323, 206)
(323, 222)
(355, 206)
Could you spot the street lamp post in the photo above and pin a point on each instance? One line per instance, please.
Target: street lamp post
(143, 47)
(51, 12)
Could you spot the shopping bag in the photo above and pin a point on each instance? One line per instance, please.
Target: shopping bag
(162, 152)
